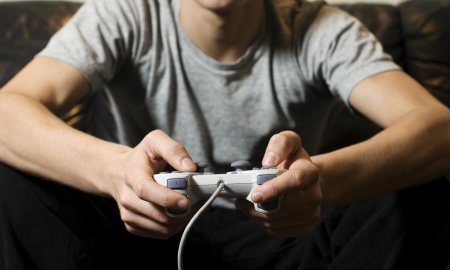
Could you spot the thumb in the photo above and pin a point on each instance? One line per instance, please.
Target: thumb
(302, 174)
(281, 147)
(159, 145)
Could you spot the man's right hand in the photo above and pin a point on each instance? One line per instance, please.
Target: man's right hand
(34, 140)
(141, 200)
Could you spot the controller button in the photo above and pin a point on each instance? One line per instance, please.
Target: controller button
(262, 178)
(177, 183)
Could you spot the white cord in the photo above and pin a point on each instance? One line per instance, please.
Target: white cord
(208, 203)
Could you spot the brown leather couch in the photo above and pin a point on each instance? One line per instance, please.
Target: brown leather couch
(416, 33)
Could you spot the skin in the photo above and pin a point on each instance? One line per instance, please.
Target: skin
(413, 148)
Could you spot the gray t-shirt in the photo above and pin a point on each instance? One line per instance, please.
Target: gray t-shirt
(156, 78)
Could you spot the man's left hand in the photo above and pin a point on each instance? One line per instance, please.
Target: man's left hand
(301, 206)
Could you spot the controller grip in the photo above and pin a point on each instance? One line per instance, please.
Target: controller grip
(269, 206)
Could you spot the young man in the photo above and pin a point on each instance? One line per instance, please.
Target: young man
(213, 81)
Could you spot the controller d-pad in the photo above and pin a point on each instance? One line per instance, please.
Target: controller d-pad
(177, 183)
(262, 178)
(272, 204)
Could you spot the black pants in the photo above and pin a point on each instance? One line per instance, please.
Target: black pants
(48, 226)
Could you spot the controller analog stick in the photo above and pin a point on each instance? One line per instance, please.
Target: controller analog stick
(241, 165)
(201, 167)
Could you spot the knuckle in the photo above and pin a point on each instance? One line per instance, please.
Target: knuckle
(124, 200)
(297, 177)
(165, 200)
(314, 199)
(128, 178)
(307, 174)
(153, 134)
(313, 171)
(130, 229)
(271, 188)
(177, 148)
(162, 218)
(165, 233)
(125, 217)
(140, 190)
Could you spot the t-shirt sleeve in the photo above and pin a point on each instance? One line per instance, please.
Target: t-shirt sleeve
(96, 41)
(337, 49)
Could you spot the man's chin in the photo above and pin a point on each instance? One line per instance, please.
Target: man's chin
(221, 6)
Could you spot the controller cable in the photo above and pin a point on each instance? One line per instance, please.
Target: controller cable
(220, 186)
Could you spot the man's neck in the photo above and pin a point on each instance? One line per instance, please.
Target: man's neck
(223, 35)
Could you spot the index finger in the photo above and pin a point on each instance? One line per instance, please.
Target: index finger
(160, 145)
(147, 189)
(302, 174)
(282, 147)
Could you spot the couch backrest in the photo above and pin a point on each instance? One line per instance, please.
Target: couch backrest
(385, 22)
(426, 32)
(25, 28)
(416, 33)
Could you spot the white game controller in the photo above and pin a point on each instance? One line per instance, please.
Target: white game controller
(240, 183)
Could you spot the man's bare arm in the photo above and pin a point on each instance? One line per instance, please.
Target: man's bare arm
(35, 140)
(413, 149)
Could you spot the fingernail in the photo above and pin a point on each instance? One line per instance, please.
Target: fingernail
(187, 163)
(257, 196)
(183, 204)
(269, 159)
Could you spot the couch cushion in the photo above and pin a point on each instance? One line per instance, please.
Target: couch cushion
(427, 44)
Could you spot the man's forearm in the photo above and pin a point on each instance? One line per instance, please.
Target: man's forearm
(414, 150)
(34, 140)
